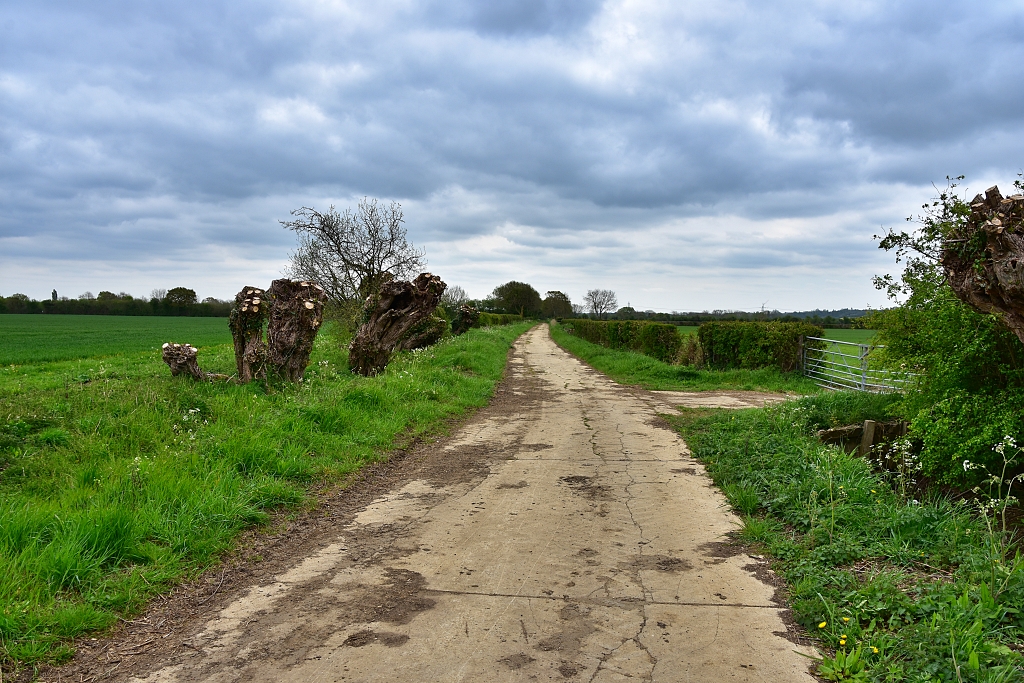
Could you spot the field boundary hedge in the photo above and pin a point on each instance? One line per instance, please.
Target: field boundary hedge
(657, 340)
(489, 319)
(752, 345)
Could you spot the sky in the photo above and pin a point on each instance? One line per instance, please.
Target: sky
(689, 156)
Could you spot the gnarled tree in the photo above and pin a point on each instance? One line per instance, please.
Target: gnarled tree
(388, 316)
(296, 312)
(983, 257)
(246, 322)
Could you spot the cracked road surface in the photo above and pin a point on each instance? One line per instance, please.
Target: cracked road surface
(584, 544)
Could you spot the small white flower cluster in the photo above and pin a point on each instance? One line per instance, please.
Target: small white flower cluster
(1000, 447)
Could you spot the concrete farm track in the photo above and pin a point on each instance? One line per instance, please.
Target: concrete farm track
(562, 533)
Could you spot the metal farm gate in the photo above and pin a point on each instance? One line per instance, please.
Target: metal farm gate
(844, 365)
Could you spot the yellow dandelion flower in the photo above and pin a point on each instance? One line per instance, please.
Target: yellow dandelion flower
(873, 491)
(846, 619)
(842, 642)
(875, 650)
(844, 636)
(823, 624)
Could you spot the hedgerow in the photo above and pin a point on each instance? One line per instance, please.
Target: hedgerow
(751, 345)
(657, 340)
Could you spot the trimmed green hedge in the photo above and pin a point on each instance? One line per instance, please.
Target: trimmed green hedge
(656, 340)
(489, 319)
(751, 345)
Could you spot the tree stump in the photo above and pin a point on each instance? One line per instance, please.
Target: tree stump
(246, 323)
(465, 318)
(296, 313)
(424, 334)
(388, 316)
(181, 358)
(984, 260)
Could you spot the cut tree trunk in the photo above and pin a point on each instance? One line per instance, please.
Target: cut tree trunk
(388, 316)
(424, 334)
(984, 263)
(465, 318)
(246, 323)
(296, 312)
(182, 359)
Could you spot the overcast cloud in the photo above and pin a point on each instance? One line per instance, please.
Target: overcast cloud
(687, 155)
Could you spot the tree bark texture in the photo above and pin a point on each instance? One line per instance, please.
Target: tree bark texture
(246, 322)
(984, 262)
(424, 334)
(296, 313)
(465, 318)
(388, 316)
(181, 358)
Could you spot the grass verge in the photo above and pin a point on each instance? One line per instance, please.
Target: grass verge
(117, 481)
(895, 588)
(628, 367)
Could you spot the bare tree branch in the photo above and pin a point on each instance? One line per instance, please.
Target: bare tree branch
(348, 253)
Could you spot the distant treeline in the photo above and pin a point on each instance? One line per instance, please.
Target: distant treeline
(178, 301)
(842, 318)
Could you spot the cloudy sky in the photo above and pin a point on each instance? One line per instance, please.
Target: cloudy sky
(687, 155)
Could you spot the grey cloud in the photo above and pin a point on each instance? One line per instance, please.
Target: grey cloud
(120, 121)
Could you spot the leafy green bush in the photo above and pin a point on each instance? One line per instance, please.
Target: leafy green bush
(657, 340)
(970, 389)
(491, 319)
(751, 345)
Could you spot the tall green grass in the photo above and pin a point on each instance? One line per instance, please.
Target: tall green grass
(627, 367)
(117, 480)
(897, 586)
(34, 338)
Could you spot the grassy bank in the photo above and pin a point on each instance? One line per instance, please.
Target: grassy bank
(35, 338)
(117, 480)
(898, 586)
(627, 367)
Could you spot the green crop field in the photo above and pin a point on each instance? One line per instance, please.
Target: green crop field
(855, 336)
(687, 330)
(34, 338)
(117, 480)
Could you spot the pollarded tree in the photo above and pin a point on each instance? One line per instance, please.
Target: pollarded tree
(600, 302)
(517, 297)
(349, 253)
(556, 305)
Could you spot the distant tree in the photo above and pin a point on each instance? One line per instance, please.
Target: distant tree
(348, 253)
(517, 297)
(626, 313)
(579, 309)
(211, 300)
(86, 296)
(453, 297)
(600, 302)
(158, 294)
(181, 296)
(556, 305)
(53, 295)
(106, 296)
